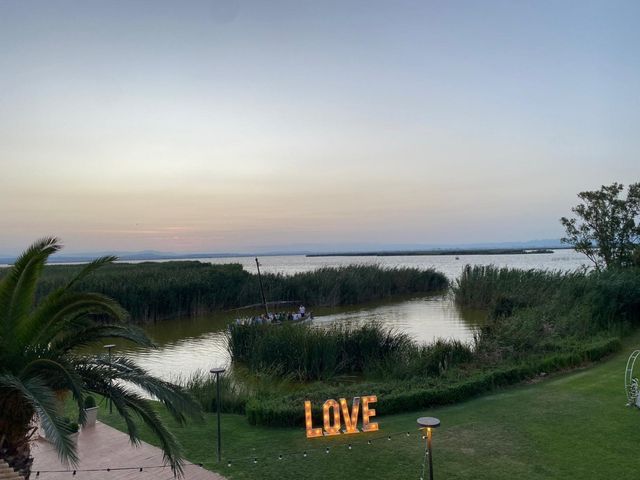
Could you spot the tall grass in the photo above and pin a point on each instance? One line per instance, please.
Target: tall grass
(538, 311)
(484, 286)
(308, 353)
(608, 297)
(353, 284)
(152, 291)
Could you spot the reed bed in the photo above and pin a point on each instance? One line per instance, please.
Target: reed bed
(576, 302)
(309, 354)
(153, 291)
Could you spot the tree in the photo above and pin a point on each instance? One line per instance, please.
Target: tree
(39, 360)
(607, 230)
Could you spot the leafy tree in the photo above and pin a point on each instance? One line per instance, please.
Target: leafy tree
(39, 362)
(606, 230)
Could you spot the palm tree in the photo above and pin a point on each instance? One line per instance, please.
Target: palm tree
(39, 359)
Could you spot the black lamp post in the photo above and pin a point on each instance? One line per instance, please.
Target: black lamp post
(109, 347)
(217, 372)
(427, 424)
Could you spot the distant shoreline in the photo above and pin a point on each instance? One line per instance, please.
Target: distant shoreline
(496, 251)
(6, 261)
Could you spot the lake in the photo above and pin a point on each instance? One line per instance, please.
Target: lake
(188, 345)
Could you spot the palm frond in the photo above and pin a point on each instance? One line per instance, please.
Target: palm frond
(176, 399)
(89, 268)
(48, 320)
(127, 402)
(62, 375)
(92, 334)
(171, 448)
(178, 402)
(17, 288)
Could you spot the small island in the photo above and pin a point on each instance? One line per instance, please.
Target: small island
(398, 253)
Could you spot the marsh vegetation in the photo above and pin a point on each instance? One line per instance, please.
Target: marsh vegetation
(154, 291)
(537, 322)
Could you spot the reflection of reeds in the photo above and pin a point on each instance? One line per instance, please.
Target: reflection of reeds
(319, 354)
(152, 291)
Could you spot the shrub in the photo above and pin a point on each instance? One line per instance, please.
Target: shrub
(89, 402)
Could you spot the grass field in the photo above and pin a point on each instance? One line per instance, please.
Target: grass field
(572, 425)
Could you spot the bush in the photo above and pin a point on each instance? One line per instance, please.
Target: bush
(70, 426)
(89, 402)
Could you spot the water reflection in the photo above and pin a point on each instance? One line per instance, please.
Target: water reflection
(423, 319)
(185, 346)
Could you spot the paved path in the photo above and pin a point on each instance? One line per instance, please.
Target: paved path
(103, 446)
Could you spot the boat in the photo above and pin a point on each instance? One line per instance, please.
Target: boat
(279, 318)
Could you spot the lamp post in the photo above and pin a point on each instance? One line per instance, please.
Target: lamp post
(217, 372)
(427, 424)
(109, 347)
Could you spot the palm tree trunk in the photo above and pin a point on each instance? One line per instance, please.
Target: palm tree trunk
(15, 425)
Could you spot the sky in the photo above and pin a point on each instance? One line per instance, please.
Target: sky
(233, 126)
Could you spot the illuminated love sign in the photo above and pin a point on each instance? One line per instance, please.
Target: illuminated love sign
(334, 412)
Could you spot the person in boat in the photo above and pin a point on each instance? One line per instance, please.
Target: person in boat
(302, 310)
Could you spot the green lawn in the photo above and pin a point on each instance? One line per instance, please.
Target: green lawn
(571, 425)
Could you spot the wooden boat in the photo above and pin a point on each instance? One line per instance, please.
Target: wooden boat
(276, 319)
(279, 318)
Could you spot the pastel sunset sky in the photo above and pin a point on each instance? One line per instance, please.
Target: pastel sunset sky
(245, 125)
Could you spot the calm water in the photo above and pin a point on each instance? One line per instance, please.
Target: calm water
(447, 264)
(188, 345)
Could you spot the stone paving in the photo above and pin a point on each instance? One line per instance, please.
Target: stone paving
(101, 447)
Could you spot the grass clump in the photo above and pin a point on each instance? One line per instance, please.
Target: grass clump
(307, 353)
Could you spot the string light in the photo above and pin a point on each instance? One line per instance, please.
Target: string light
(254, 458)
